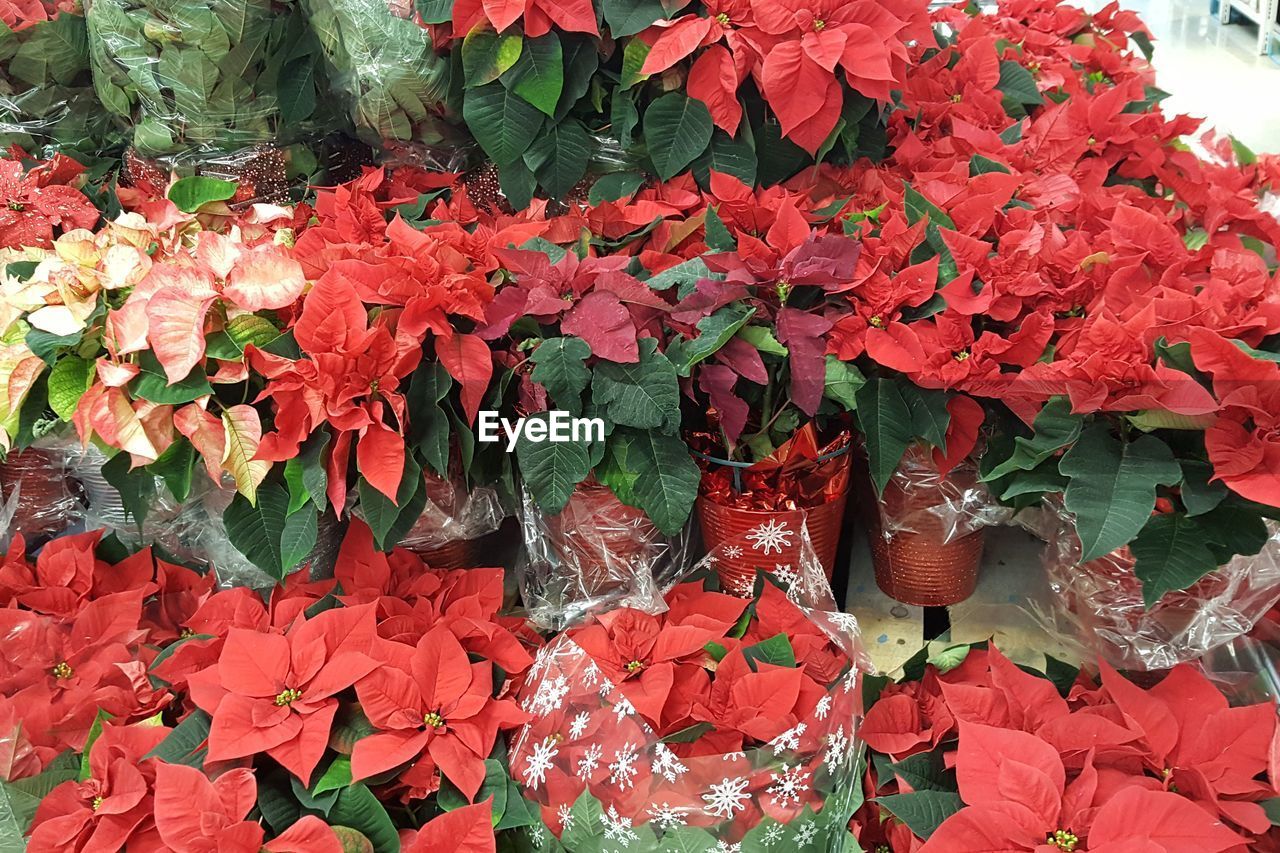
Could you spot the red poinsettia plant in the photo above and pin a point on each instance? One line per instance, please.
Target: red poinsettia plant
(721, 720)
(1009, 759)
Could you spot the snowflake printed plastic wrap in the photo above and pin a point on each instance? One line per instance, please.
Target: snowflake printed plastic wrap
(722, 724)
(779, 546)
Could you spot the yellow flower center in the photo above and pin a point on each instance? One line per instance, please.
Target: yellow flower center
(784, 290)
(723, 19)
(62, 670)
(635, 666)
(963, 355)
(819, 25)
(97, 803)
(15, 205)
(876, 322)
(186, 634)
(1063, 839)
(288, 697)
(955, 99)
(433, 720)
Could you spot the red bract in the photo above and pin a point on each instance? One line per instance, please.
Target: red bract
(274, 693)
(39, 202)
(195, 815)
(111, 808)
(537, 17)
(434, 708)
(465, 830)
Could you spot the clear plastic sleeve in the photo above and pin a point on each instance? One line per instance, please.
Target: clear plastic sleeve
(1101, 603)
(597, 554)
(946, 507)
(37, 497)
(782, 772)
(396, 87)
(47, 103)
(206, 76)
(455, 518)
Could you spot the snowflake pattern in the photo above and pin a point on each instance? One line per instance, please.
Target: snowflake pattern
(733, 552)
(823, 708)
(772, 835)
(590, 761)
(617, 827)
(805, 833)
(788, 786)
(550, 696)
(623, 708)
(726, 847)
(542, 760)
(537, 835)
(790, 739)
(733, 756)
(579, 725)
(565, 814)
(667, 764)
(839, 747)
(771, 535)
(846, 622)
(666, 816)
(787, 575)
(726, 797)
(590, 674)
(623, 770)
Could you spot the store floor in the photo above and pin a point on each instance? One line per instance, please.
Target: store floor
(1213, 71)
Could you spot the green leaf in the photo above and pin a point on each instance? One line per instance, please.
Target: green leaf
(538, 73)
(614, 186)
(918, 207)
(979, 165)
(645, 395)
(842, 383)
(666, 483)
(727, 156)
(296, 90)
(186, 744)
(298, 539)
(137, 488)
(551, 469)
(176, 466)
(1170, 554)
(314, 475)
(715, 330)
(559, 157)
(775, 651)
(628, 17)
(486, 55)
(679, 129)
(191, 194)
(1018, 84)
(583, 831)
(1231, 529)
(95, 731)
(435, 11)
(718, 236)
(1113, 487)
(761, 337)
(256, 530)
(68, 380)
(929, 415)
(336, 775)
(886, 425)
(1054, 428)
(1198, 494)
(20, 799)
(518, 183)
(688, 839)
(298, 495)
(559, 365)
(245, 329)
(504, 123)
(389, 521)
(922, 811)
(151, 384)
(926, 771)
(950, 657)
(359, 809)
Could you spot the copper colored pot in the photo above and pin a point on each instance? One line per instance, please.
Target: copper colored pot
(605, 540)
(924, 559)
(741, 557)
(454, 554)
(44, 496)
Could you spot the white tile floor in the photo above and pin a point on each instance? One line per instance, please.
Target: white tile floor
(1213, 71)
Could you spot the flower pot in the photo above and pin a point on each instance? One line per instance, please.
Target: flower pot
(925, 547)
(44, 497)
(752, 515)
(604, 542)
(454, 523)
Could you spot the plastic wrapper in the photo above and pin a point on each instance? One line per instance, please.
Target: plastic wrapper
(454, 519)
(693, 749)
(37, 498)
(382, 65)
(804, 483)
(926, 530)
(1101, 603)
(203, 77)
(47, 103)
(1247, 668)
(597, 554)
